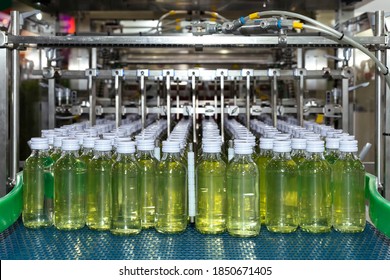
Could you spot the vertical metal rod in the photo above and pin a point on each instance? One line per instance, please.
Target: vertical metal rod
(177, 99)
(194, 105)
(92, 100)
(168, 87)
(345, 104)
(299, 97)
(51, 103)
(118, 102)
(159, 90)
(386, 166)
(274, 100)
(4, 118)
(379, 87)
(248, 101)
(216, 99)
(222, 108)
(14, 129)
(254, 91)
(143, 100)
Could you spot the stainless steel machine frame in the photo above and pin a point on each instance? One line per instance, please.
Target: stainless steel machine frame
(10, 44)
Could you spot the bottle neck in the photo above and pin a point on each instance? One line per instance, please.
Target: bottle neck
(125, 156)
(87, 150)
(315, 155)
(266, 152)
(348, 155)
(212, 156)
(332, 150)
(40, 153)
(242, 157)
(282, 155)
(171, 156)
(102, 154)
(71, 153)
(144, 154)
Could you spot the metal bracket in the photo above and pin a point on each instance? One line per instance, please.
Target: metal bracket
(221, 73)
(256, 110)
(233, 110)
(51, 72)
(116, 73)
(193, 74)
(326, 73)
(347, 72)
(3, 39)
(98, 110)
(282, 40)
(209, 110)
(90, 73)
(300, 72)
(280, 110)
(76, 110)
(187, 110)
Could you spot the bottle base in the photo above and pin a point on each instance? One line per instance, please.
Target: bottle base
(125, 231)
(316, 229)
(282, 229)
(211, 230)
(349, 229)
(170, 230)
(69, 226)
(243, 233)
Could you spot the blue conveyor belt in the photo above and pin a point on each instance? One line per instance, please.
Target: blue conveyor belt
(17, 242)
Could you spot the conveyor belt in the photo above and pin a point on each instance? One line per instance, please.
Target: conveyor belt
(17, 242)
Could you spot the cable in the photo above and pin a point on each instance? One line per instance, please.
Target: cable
(328, 30)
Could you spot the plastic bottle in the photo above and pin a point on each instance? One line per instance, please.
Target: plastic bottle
(282, 190)
(332, 149)
(211, 190)
(298, 152)
(87, 151)
(99, 187)
(69, 187)
(348, 190)
(314, 192)
(243, 195)
(38, 186)
(262, 160)
(147, 178)
(172, 191)
(126, 210)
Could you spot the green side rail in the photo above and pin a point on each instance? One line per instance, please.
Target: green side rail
(11, 205)
(379, 208)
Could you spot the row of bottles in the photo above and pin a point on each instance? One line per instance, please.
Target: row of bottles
(283, 182)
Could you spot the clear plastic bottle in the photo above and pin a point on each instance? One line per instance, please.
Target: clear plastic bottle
(147, 178)
(314, 192)
(332, 149)
(99, 186)
(348, 190)
(298, 152)
(126, 210)
(243, 195)
(282, 190)
(172, 191)
(69, 187)
(87, 151)
(265, 155)
(211, 190)
(38, 185)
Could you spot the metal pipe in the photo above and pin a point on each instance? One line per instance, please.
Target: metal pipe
(248, 101)
(92, 100)
(386, 167)
(299, 97)
(345, 105)
(379, 87)
(215, 99)
(51, 103)
(274, 100)
(168, 88)
(4, 121)
(194, 105)
(177, 98)
(14, 129)
(143, 100)
(118, 102)
(222, 108)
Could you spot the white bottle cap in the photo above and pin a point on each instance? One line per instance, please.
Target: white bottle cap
(39, 143)
(242, 148)
(171, 146)
(145, 144)
(58, 141)
(125, 147)
(346, 137)
(70, 144)
(332, 143)
(282, 136)
(349, 146)
(121, 139)
(266, 143)
(282, 146)
(324, 130)
(80, 136)
(211, 147)
(315, 146)
(89, 142)
(50, 135)
(298, 143)
(103, 145)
